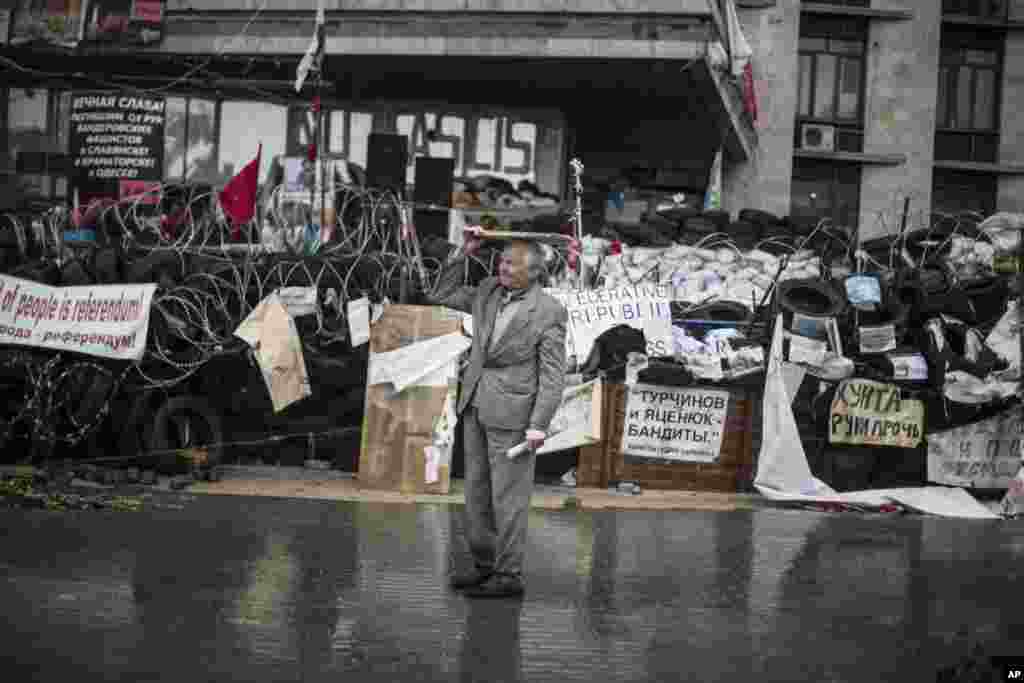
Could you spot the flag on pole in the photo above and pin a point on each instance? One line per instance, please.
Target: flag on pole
(713, 195)
(315, 51)
(238, 198)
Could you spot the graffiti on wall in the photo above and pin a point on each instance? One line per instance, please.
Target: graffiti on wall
(503, 145)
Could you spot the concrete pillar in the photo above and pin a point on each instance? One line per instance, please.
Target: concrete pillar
(764, 181)
(900, 97)
(1011, 133)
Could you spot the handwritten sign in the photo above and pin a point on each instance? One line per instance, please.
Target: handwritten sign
(111, 321)
(678, 425)
(873, 414)
(985, 454)
(643, 307)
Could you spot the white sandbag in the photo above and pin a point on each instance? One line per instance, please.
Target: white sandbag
(706, 254)
(726, 255)
(763, 257)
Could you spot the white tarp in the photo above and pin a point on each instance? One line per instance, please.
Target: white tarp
(417, 363)
(784, 475)
(110, 321)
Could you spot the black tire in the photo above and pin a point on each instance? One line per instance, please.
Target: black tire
(186, 422)
(761, 218)
(133, 432)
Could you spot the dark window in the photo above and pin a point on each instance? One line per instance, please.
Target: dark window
(980, 9)
(955, 192)
(831, 78)
(823, 189)
(967, 112)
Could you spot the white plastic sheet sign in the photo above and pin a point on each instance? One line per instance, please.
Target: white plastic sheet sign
(358, 312)
(675, 424)
(110, 321)
(986, 454)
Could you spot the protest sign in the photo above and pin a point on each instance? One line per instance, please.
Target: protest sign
(873, 414)
(578, 419)
(678, 425)
(111, 321)
(644, 307)
(116, 138)
(986, 454)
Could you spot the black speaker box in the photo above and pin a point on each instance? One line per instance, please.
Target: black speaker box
(31, 162)
(431, 224)
(386, 160)
(434, 181)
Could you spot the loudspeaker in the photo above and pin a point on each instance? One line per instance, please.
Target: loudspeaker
(31, 162)
(386, 160)
(431, 224)
(434, 181)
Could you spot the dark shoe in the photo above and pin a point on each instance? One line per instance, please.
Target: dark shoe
(470, 579)
(498, 586)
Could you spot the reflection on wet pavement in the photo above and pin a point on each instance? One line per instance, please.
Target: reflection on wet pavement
(273, 590)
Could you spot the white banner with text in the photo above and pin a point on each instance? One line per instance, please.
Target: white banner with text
(110, 321)
(643, 307)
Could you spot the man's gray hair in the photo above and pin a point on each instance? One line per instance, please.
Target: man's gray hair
(536, 259)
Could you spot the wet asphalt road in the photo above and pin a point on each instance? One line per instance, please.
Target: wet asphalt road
(246, 589)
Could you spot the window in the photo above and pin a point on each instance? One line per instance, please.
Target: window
(31, 119)
(831, 78)
(954, 192)
(979, 9)
(823, 189)
(190, 140)
(967, 112)
(264, 122)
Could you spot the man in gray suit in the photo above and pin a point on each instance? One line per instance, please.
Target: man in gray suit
(511, 388)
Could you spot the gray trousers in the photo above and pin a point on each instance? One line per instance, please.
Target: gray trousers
(498, 491)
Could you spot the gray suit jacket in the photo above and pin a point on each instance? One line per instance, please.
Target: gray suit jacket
(519, 385)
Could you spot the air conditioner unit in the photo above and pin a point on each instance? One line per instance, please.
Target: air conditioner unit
(817, 137)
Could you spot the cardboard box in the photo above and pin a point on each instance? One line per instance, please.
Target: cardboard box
(398, 427)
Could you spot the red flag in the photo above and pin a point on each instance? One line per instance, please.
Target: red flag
(238, 198)
(749, 94)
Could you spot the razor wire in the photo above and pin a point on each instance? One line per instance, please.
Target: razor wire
(218, 274)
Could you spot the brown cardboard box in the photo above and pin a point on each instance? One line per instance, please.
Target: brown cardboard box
(397, 427)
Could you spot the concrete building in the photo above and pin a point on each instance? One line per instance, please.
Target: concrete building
(861, 104)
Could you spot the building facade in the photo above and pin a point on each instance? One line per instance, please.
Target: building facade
(861, 104)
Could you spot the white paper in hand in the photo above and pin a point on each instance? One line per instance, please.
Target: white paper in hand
(358, 312)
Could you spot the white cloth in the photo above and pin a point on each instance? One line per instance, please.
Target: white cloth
(782, 465)
(739, 48)
(271, 332)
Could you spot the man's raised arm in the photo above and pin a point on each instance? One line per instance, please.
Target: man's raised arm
(450, 291)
